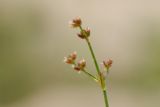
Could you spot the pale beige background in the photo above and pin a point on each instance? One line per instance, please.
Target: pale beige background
(34, 38)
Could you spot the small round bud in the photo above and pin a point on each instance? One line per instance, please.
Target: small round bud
(77, 68)
(68, 60)
(81, 35)
(82, 64)
(84, 34)
(73, 55)
(107, 63)
(76, 22)
(71, 58)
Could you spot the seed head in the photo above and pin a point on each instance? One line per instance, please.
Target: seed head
(107, 63)
(77, 68)
(71, 58)
(76, 22)
(73, 55)
(84, 34)
(80, 65)
(81, 35)
(68, 60)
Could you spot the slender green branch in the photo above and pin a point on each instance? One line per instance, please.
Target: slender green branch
(102, 81)
(103, 85)
(81, 28)
(105, 98)
(91, 50)
(93, 56)
(90, 75)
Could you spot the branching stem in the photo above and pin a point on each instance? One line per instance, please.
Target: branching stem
(101, 78)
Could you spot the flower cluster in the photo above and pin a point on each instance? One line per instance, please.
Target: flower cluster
(77, 23)
(78, 66)
(84, 34)
(71, 58)
(107, 63)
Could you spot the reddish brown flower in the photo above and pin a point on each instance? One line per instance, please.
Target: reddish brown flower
(76, 22)
(107, 63)
(71, 58)
(77, 68)
(84, 34)
(80, 66)
(73, 55)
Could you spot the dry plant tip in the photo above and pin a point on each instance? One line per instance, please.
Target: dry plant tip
(71, 58)
(76, 22)
(107, 63)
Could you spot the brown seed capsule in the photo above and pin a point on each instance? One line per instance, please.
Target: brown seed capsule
(82, 64)
(81, 35)
(84, 34)
(71, 58)
(68, 60)
(73, 55)
(107, 63)
(77, 68)
(76, 22)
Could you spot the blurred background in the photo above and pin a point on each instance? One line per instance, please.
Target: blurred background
(34, 38)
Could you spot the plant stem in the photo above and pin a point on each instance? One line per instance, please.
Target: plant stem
(105, 98)
(90, 75)
(94, 58)
(91, 50)
(103, 85)
(102, 80)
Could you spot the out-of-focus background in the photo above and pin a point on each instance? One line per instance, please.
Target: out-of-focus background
(34, 38)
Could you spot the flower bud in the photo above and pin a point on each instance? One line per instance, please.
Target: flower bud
(107, 63)
(81, 35)
(84, 34)
(73, 55)
(77, 68)
(68, 60)
(82, 64)
(71, 58)
(76, 22)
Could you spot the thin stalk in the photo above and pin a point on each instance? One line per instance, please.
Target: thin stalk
(90, 75)
(91, 50)
(105, 98)
(102, 81)
(103, 85)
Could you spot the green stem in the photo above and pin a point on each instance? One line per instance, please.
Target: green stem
(102, 80)
(105, 98)
(90, 75)
(103, 85)
(93, 56)
(91, 50)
